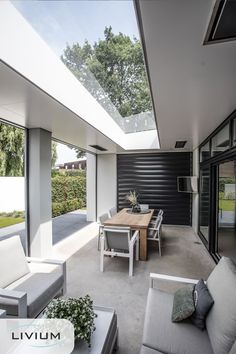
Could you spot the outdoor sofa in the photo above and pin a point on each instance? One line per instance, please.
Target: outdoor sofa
(161, 335)
(27, 285)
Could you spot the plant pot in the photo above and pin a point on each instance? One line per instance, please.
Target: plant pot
(136, 208)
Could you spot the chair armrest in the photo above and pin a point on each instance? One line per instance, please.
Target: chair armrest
(134, 237)
(155, 276)
(21, 298)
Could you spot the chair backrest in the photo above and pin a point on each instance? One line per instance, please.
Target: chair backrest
(144, 206)
(161, 212)
(157, 226)
(103, 218)
(13, 264)
(221, 320)
(117, 237)
(112, 212)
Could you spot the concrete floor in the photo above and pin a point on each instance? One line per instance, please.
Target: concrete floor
(183, 255)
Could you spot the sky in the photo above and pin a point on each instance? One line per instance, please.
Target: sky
(65, 154)
(62, 22)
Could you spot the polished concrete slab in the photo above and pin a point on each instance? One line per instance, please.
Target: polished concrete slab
(183, 255)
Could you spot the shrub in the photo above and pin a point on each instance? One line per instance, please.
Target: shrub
(14, 214)
(75, 173)
(78, 311)
(57, 209)
(66, 206)
(68, 194)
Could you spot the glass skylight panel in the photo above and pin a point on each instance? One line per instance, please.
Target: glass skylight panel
(99, 42)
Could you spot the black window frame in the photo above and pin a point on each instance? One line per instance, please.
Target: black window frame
(213, 162)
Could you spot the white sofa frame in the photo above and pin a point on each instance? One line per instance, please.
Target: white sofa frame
(21, 296)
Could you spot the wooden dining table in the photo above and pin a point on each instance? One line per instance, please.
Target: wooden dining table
(135, 222)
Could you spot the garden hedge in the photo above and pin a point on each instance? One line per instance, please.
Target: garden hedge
(68, 194)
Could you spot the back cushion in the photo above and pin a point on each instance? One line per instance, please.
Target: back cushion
(13, 264)
(221, 320)
(117, 240)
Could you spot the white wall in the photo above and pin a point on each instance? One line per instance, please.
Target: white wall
(12, 194)
(91, 187)
(195, 202)
(106, 183)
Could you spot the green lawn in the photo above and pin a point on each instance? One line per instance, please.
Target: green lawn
(227, 205)
(9, 220)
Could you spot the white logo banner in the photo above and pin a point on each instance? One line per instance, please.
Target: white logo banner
(31, 336)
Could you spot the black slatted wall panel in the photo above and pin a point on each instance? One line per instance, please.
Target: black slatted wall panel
(154, 177)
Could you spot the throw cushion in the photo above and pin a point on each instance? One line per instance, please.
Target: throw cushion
(13, 264)
(221, 320)
(203, 302)
(183, 304)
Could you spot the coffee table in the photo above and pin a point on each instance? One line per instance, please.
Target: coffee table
(105, 339)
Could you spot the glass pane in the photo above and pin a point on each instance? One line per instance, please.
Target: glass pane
(205, 152)
(107, 57)
(220, 142)
(68, 191)
(234, 132)
(226, 209)
(12, 183)
(204, 201)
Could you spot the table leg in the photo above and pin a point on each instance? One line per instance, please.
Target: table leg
(143, 244)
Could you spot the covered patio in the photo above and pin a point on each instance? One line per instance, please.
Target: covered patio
(175, 121)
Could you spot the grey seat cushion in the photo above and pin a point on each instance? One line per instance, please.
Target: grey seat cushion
(168, 337)
(146, 350)
(221, 320)
(40, 289)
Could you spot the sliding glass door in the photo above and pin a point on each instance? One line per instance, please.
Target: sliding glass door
(226, 209)
(204, 202)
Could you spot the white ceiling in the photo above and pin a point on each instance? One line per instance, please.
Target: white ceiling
(194, 86)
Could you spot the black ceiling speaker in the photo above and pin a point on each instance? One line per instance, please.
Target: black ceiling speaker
(180, 144)
(98, 147)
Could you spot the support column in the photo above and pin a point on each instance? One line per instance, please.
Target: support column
(106, 182)
(39, 193)
(91, 177)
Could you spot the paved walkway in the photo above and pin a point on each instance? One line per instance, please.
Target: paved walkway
(62, 227)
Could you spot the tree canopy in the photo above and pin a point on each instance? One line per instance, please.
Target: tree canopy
(11, 150)
(117, 64)
(54, 153)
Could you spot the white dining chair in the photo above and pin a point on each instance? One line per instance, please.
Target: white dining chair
(119, 242)
(112, 212)
(154, 232)
(101, 219)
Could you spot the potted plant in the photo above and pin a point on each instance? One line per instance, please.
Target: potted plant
(132, 197)
(78, 311)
